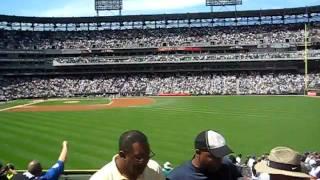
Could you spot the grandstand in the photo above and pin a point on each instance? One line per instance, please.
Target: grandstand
(263, 41)
(258, 52)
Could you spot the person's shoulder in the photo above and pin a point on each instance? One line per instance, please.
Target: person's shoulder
(58, 164)
(104, 172)
(152, 164)
(186, 166)
(227, 167)
(153, 170)
(20, 176)
(182, 171)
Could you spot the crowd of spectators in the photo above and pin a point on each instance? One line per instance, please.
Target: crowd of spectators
(241, 35)
(310, 163)
(231, 83)
(142, 84)
(190, 57)
(247, 167)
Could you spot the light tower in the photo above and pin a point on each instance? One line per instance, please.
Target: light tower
(108, 5)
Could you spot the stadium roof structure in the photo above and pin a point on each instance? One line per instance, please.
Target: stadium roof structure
(227, 14)
(305, 14)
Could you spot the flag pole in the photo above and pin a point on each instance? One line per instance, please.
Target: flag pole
(305, 59)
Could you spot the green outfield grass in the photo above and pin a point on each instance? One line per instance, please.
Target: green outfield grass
(9, 104)
(251, 125)
(76, 102)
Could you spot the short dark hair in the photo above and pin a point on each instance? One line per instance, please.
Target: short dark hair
(128, 138)
(35, 168)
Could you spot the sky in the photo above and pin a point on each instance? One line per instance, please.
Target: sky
(78, 8)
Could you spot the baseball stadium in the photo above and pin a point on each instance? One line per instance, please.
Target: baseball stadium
(251, 75)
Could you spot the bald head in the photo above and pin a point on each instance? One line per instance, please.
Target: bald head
(34, 167)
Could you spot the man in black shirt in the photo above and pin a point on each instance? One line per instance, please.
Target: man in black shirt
(208, 162)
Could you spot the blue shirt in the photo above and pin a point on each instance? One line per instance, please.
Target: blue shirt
(54, 172)
(187, 171)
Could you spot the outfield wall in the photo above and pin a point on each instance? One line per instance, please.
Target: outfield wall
(174, 94)
(313, 92)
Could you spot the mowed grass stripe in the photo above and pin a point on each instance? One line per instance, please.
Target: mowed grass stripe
(58, 122)
(30, 147)
(201, 111)
(246, 103)
(66, 124)
(25, 149)
(47, 125)
(293, 109)
(210, 109)
(50, 153)
(256, 113)
(44, 128)
(33, 134)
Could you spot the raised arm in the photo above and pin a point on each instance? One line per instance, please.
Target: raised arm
(64, 151)
(57, 169)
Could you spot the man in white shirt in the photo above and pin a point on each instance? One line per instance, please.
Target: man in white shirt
(133, 161)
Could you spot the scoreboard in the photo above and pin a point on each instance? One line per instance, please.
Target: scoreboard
(107, 5)
(223, 2)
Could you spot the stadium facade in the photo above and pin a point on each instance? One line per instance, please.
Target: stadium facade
(245, 41)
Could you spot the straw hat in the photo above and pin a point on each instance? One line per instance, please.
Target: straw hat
(284, 161)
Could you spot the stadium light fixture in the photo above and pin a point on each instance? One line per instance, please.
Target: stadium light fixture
(223, 2)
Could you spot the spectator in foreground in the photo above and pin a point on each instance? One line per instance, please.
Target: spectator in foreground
(282, 164)
(7, 172)
(11, 171)
(132, 162)
(167, 168)
(208, 161)
(315, 171)
(35, 169)
(238, 159)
